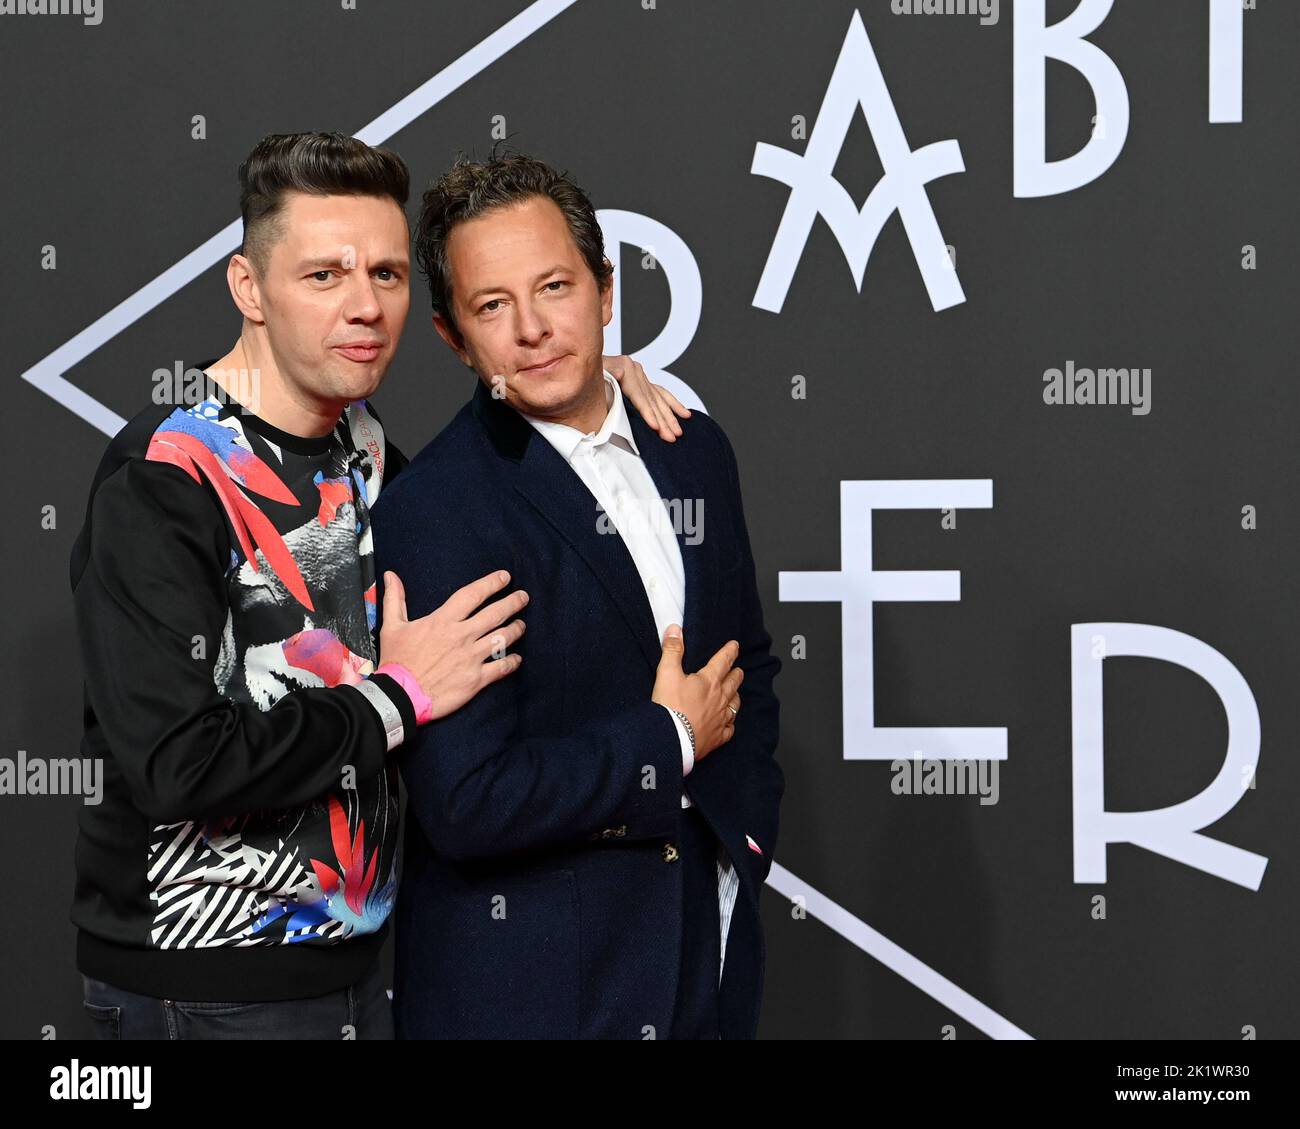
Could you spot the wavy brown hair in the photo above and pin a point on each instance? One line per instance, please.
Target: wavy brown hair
(470, 188)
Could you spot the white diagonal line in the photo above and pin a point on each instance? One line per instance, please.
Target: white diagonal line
(47, 374)
(455, 75)
(891, 956)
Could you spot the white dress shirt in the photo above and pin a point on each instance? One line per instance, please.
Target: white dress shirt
(611, 467)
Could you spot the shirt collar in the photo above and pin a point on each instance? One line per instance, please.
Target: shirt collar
(566, 440)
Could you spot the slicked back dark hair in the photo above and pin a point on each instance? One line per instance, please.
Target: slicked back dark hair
(470, 188)
(320, 164)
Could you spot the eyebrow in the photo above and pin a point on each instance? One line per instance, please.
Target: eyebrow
(337, 261)
(493, 289)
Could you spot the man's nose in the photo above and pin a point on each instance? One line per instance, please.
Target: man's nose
(531, 326)
(362, 302)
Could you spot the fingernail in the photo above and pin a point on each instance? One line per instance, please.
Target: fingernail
(503, 576)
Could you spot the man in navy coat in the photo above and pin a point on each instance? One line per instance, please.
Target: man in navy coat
(586, 839)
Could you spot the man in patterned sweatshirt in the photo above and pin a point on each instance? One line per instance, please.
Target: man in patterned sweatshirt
(237, 879)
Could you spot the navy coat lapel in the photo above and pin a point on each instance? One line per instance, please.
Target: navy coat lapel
(699, 561)
(554, 489)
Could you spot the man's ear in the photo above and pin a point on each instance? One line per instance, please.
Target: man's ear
(245, 289)
(449, 334)
(607, 296)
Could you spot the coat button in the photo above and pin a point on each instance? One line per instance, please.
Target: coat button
(670, 852)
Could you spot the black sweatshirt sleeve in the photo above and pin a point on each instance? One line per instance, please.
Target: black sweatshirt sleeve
(151, 609)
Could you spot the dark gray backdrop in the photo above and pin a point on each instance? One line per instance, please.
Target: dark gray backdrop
(1098, 514)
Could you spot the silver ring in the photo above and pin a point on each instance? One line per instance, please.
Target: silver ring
(733, 710)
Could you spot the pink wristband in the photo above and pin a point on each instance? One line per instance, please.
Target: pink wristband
(406, 680)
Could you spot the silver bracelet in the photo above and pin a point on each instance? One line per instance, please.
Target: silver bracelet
(690, 729)
(389, 716)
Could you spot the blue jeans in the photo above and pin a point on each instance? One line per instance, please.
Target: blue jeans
(361, 1011)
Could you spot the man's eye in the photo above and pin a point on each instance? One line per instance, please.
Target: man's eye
(557, 282)
(488, 307)
(322, 275)
(386, 271)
